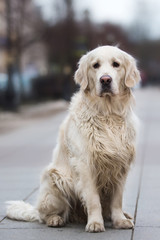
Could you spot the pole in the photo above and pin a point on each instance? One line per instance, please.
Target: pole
(10, 98)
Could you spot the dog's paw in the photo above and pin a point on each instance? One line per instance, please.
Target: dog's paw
(127, 215)
(55, 221)
(123, 223)
(95, 227)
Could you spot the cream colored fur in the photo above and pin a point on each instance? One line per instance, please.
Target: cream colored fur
(95, 148)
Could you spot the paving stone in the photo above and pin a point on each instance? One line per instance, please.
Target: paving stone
(13, 224)
(75, 232)
(147, 233)
(149, 201)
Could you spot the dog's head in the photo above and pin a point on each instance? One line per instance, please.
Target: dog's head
(107, 70)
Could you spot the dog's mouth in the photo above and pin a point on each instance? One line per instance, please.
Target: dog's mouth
(107, 92)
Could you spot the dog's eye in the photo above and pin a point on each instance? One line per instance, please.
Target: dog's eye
(96, 65)
(115, 64)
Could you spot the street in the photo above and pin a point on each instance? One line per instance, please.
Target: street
(25, 151)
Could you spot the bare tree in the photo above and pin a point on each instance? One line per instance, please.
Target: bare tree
(140, 29)
(60, 37)
(24, 27)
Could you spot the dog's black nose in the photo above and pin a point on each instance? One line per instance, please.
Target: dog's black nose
(106, 80)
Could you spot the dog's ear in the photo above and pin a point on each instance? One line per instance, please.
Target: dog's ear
(81, 75)
(132, 76)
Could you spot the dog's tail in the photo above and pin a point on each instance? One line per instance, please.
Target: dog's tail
(19, 210)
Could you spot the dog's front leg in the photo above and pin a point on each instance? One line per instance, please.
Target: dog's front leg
(91, 201)
(120, 219)
(95, 220)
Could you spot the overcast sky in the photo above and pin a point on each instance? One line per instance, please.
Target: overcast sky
(123, 12)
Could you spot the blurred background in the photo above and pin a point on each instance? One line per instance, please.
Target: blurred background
(42, 40)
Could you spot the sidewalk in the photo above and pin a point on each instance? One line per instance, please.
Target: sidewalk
(28, 113)
(25, 151)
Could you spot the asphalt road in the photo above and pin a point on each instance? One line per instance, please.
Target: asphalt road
(26, 150)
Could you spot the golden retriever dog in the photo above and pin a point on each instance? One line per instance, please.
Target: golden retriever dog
(96, 145)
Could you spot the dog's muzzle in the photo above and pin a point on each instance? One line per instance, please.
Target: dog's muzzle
(106, 82)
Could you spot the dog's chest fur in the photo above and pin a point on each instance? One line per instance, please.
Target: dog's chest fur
(109, 140)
